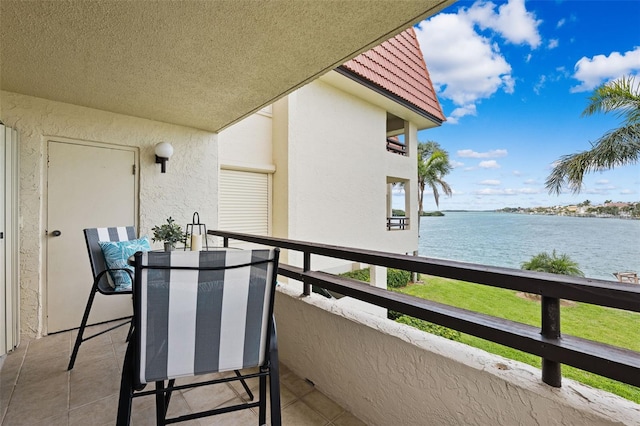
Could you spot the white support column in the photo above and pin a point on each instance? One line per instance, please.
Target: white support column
(410, 187)
(378, 276)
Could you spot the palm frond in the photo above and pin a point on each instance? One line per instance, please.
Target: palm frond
(619, 147)
(621, 96)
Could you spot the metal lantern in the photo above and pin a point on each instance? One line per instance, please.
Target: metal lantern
(198, 233)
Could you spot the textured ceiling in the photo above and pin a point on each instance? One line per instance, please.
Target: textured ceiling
(202, 64)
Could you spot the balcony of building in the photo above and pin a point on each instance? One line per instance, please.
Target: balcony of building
(344, 366)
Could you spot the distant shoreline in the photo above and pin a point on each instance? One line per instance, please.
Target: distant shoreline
(592, 215)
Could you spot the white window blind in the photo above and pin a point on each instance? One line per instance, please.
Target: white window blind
(244, 202)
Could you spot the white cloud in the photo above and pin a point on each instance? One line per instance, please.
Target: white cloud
(530, 182)
(507, 191)
(602, 182)
(591, 72)
(553, 43)
(527, 58)
(561, 23)
(627, 192)
(460, 112)
(528, 191)
(494, 153)
(489, 164)
(540, 84)
(512, 21)
(490, 182)
(509, 84)
(465, 66)
(454, 164)
(517, 173)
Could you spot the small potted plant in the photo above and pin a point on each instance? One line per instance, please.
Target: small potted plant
(170, 233)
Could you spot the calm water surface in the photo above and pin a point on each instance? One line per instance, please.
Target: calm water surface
(599, 246)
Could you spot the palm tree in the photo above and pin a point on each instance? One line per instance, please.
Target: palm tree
(433, 165)
(554, 264)
(617, 147)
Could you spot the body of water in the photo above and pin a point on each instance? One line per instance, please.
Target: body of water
(599, 246)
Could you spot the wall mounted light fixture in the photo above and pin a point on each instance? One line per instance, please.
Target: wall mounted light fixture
(164, 151)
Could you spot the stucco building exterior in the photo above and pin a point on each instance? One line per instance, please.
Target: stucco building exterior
(323, 153)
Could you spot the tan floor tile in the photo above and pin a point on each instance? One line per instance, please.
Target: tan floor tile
(62, 420)
(295, 384)
(6, 390)
(323, 405)
(99, 412)
(44, 389)
(286, 396)
(53, 346)
(300, 414)
(92, 382)
(238, 418)
(33, 372)
(179, 407)
(94, 349)
(348, 419)
(38, 401)
(209, 397)
(13, 362)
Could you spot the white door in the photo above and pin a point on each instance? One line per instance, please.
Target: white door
(89, 186)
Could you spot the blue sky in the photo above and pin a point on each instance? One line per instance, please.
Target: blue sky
(513, 78)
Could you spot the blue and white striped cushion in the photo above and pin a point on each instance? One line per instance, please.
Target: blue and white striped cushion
(201, 321)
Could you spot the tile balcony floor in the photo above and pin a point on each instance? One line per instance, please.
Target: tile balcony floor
(36, 389)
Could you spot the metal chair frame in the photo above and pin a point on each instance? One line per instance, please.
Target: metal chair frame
(131, 388)
(100, 281)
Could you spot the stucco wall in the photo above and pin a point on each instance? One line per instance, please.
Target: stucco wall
(337, 167)
(248, 142)
(189, 185)
(387, 373)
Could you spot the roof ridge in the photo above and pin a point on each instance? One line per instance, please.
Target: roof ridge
(398, 67)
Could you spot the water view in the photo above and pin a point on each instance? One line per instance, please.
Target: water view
(600, 246)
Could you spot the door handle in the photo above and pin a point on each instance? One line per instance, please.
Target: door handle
(56, 233)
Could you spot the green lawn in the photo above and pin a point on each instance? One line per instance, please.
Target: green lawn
(611, 326)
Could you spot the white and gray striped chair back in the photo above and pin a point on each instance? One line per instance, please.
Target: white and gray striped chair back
(202, 312)
(92, 236)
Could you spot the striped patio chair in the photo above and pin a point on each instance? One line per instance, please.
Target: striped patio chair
(102, 281)
(197, 313)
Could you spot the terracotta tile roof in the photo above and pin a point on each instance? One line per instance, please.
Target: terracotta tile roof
(397, 66)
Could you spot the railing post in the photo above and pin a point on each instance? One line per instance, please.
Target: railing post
(225, 241)
(306, 267)
(551, 370)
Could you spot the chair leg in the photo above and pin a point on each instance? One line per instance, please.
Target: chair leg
(262, 408)
(244, 385)
(83, 324)
(161, 407)
(126, 389)
(130, 333)
(274, 379)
